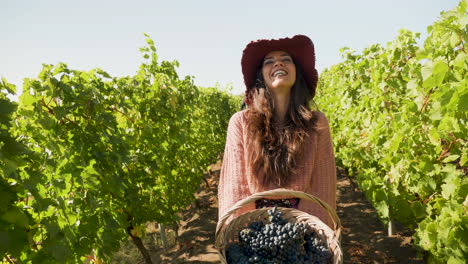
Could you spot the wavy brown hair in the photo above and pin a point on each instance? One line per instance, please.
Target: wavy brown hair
(275, 150)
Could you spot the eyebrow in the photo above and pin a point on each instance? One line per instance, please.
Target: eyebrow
(282, 55)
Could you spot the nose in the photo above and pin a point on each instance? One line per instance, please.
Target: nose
(278, 63)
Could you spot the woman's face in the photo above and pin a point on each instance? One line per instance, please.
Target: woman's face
(279, 71)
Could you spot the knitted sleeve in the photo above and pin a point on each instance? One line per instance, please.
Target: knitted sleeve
(325, 163)
(233, 184)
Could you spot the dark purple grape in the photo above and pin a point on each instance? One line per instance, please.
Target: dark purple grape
(278, 242)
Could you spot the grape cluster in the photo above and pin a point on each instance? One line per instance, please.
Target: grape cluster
(278, 242)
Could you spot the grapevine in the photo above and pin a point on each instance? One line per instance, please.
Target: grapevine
(87, 159)
(399, 121)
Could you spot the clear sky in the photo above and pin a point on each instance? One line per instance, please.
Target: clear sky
(206, 36)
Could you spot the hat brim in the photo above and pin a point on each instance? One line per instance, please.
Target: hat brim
(300, 48)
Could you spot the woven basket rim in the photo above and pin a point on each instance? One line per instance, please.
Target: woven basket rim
(280, 192)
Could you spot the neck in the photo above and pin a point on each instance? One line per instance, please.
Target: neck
(281, 104)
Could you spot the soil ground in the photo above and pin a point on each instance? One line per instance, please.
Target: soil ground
(364, 237)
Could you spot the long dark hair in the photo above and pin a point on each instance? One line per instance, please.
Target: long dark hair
(275, 150)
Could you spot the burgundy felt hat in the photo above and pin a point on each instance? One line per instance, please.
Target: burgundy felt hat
(301, 49)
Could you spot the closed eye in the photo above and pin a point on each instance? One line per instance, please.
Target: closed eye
(267, 61)
(284, 58)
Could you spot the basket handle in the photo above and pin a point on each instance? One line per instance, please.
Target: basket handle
(282, 192)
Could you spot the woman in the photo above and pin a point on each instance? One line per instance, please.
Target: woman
(278, 141)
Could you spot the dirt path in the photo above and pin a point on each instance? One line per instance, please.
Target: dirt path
(364, 238)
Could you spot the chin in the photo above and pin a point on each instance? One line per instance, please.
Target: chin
(282, 85)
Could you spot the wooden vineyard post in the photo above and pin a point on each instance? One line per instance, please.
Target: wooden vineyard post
(162, 231)
(391, 227)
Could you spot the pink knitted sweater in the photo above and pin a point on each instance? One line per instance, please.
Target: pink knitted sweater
(316, 173)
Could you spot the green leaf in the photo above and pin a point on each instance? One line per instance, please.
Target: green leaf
(383, 209)
(46, 122)
(14, 241)
(428, 236)
(454, 40)
(6, 107)
(10, 165)
(403, 211)
(11, 88)
(433, 74)
(15, 216)
(434, 137)
(419, 210)
(450, 158)
(463, 107)
(464, 158)
(60, 251)
(27, 99)
(449, 124)
(104, 74)
(449, 189)
(456, 260)
(461, 61)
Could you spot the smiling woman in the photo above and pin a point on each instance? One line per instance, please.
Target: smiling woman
(278, 141)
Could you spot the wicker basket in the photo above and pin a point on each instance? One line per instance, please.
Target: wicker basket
(226, 234)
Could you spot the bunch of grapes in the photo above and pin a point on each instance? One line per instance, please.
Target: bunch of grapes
(279, 242)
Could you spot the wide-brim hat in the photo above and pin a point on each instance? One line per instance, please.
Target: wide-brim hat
(300, 48)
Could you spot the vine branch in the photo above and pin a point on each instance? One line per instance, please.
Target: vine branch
(426, 100)
(51, 111)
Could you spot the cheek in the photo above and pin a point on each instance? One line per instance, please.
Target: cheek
(293, 71)
(264, 73)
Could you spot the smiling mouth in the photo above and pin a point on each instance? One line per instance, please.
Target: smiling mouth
(279, 73)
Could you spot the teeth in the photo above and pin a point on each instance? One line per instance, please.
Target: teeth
(279, 73)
